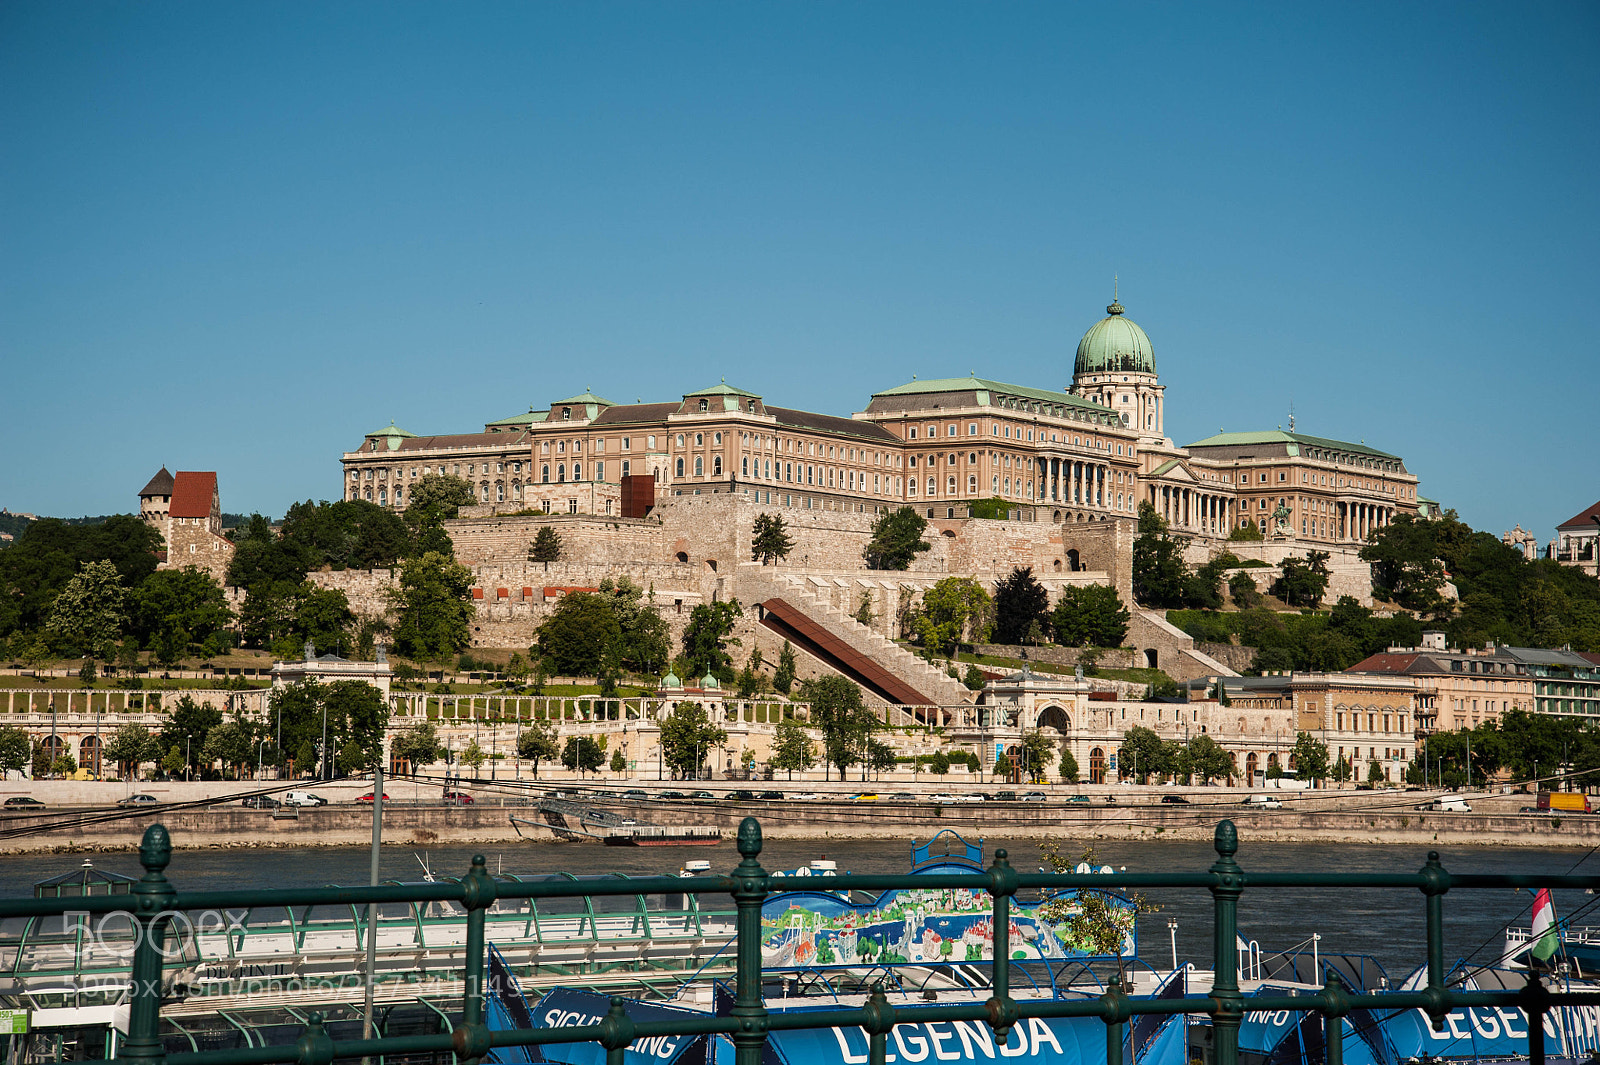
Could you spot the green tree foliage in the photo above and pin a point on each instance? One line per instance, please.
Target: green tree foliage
(619, 761)
(1142, 754)
(89, 614)
(1406, 567)
(1333, 640)
(16, 749)
(187, 728)
(864, 614)
(1019, 602)
(281, 616)
(1374, 772)
(434, 499)
(546, 546)
(954, 610)
(1038, 755)
(181, 607)
(1342, 771)
(896, 540)
(1246, 533)
(645, 642)
(995, 508)
(474, 756)
(233, 743)
(783, 676)
(1160, 578)
(346, 534)
(843, 718)
(1090, 616)
(792, 748)
(1002, 766)
(1244, 592)
(1304, 582)
(973, 678)
(1207, 759)
(1069, 766)
(418, 745)
(537, 743)
(770, 541)
(574, 638)
(434, 612)
(688, 738)
(50, 553)
(752, 681)
(707, 636)
(1310, 757)
(880, 756)
(358, 717)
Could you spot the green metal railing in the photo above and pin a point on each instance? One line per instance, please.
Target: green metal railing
(154, 901)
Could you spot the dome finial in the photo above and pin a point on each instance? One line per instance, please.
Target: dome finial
(1116, 305)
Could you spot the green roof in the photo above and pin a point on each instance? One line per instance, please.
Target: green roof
(1278, 436)
(980, 384)
(723, 389)
(522, 419)
(390, 430)
(587, 397)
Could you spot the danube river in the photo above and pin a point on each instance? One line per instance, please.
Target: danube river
(1385, 925)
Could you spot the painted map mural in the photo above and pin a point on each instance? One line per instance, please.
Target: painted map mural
(921, 925)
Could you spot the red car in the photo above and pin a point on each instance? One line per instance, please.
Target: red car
(455, 798)
(368, 797)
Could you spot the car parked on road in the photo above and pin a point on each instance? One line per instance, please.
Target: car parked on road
(1175, 800)
(139, 800)
(669, 795)
(367, 798)
(866, 796)
(741, 795)
(635, 795)
(701, 795)
(1078, 800)
(23, 801)
(942, 797)
(805, 796)
(771, 796)
(1004, 796)
(454, 798)
(303, 798)
(260, 802)
(1032, 796)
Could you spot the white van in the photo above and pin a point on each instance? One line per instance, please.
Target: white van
(1447, 805)
(1262, 802)
(303, 798)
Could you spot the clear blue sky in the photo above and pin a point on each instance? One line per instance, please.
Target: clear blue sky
(238, 236)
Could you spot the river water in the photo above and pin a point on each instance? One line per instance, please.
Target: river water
(1385, 925)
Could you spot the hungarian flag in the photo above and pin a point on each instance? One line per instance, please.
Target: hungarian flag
(1545, 939)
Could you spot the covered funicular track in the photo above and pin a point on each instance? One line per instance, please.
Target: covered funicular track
(643, 943)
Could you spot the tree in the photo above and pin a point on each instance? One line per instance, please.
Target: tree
(1019, 601)
(417, 746)
(16, 748)
(435, 614)
(1304, 582)
(1243, 591)
(1159, 573)
(1310, 757)
(1341, 770)
(1207, 759)
(955, 609)
(1142, 754)
(896, 540)
(707, 636)
(187, 728)
(585, 754)
(576, 636)
(619, 762)
(1002, 766)
(645, 641)
(184, 606)
(537, 743)
(1246, 533)
(1069, 766)
(474, 756)
(792, 748)
(358, 717)
(435, 499)
(974, 678)
(863, 614)
(1374, 772)
(1406, 567)
(172, 763)
(546, 546)
(843, 718)
(233, 743)
(752, 681)
(87, 673)
(1038, 754)
(783, 676)
(770, 540)
(91, 610)
(1090, 616)
(687, 736)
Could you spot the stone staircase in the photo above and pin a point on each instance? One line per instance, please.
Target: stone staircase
(754, 586)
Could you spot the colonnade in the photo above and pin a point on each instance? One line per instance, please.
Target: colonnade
(1357, 520)
(1070, 481)
(1193, 510)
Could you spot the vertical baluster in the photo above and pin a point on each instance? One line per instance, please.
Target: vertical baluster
(749, 892)
(478, 894)
(617, 1029)
(1436, 883)
(1335, 1005)
(1537, 999)
(1225, 892)
(1002, 885)
(152, 899)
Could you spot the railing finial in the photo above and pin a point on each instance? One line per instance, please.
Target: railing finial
(749, 837)
(155, 851)
(1226, 840)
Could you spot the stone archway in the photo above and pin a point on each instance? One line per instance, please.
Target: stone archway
(1054, 717)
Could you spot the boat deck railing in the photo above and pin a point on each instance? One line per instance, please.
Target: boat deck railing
(155, 901)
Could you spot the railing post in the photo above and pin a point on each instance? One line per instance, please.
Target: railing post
(1335, 1004)
(1537, 998)
(617, 1032)
(1435, 883)
(152, 899)
(749, 892)
(472, 1038)
(1002, 885)
(1226, 888)
(1114, 1008)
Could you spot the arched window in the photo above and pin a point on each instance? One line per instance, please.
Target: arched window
(89, 752)
(383, 497)
(699, 466)
(716, 465)
(1097, 766)
(544, 473)
(577, 471)
(1250, 768)
(972, 482)
(679, 467)
(744, 467)
(499, 492)
(933, 486)
(561, 471)
(951, 484)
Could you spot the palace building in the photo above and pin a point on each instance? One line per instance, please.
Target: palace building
(1090, 453)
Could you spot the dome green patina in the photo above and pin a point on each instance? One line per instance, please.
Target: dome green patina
(1115, 344)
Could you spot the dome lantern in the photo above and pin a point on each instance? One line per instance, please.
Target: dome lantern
(1115, 344)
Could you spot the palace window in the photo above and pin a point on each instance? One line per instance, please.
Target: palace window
(716, 465)
(699, 439)
(599, 471)
(544, 473)
(561, 471)
(679, 467)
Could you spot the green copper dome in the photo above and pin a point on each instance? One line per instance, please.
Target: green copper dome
(1115, 344)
